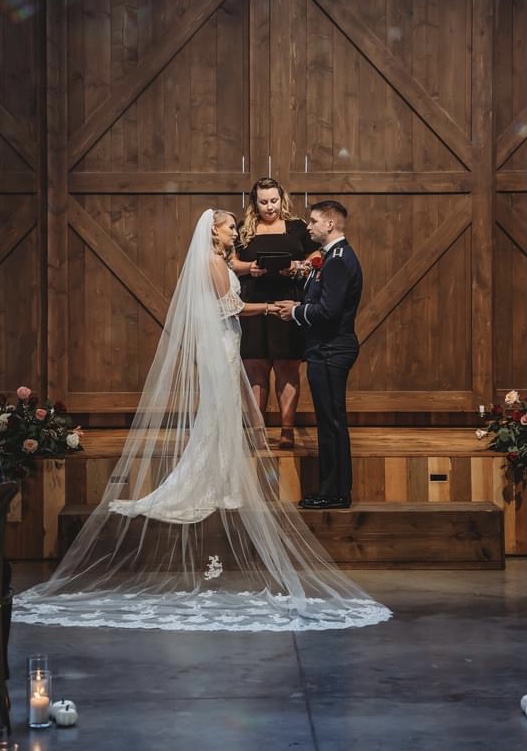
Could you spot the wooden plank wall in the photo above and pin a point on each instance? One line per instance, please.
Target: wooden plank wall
(127, 119)
(22, 209)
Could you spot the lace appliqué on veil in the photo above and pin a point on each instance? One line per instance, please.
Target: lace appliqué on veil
(206, 611)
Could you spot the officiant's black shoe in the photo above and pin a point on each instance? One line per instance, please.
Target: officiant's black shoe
(325, 502)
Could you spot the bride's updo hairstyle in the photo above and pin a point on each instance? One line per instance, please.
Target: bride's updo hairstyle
(219, 217)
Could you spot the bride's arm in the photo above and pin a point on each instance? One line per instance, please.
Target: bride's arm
(220, 275)
(222, 286)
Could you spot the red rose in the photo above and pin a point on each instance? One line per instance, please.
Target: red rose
(316, 263)
(516, 415)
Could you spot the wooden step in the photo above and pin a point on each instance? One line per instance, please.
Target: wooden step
(390, 465)
(386, 535)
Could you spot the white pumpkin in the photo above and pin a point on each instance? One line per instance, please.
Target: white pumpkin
(60, 705)
(66, 716)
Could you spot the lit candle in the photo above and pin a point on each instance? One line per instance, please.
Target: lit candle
(39, 708)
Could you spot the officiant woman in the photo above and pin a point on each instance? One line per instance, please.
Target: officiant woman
(268, 343)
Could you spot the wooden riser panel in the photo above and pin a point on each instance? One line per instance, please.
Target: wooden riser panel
(392, 479)
(428, 535)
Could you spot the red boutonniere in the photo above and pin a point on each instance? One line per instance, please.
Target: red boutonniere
(304, 269)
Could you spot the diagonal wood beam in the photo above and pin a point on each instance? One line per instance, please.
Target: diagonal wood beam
(514, 223)
(433, 115)
(16, 227)
(133, 84)
(18, 135)
(116, 260)
(511, 138)
(413, 271)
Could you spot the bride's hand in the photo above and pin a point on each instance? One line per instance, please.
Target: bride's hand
(273, 309)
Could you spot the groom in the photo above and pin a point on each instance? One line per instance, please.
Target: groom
(327, 315)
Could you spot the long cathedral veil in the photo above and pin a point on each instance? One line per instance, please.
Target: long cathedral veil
(190, 533)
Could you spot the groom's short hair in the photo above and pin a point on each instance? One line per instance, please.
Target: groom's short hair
(333, 210)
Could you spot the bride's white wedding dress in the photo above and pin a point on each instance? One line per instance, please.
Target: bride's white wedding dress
(190, 533)
(204, 478)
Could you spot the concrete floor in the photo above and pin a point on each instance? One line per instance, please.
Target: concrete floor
(445, 674)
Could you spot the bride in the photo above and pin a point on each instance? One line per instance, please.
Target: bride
(190, 533)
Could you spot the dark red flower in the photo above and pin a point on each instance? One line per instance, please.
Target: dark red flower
(497, 409)
(60, 407)
(512, 456)
(516, 415)
(316, 263)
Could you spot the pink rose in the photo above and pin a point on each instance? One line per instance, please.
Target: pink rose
(23, 393)
(40, 414)
(512, 398)
(523, 419)
(30, 446)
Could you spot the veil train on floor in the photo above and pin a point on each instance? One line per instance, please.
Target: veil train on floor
(190, 533)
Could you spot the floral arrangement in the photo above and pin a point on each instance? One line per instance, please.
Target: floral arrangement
(28, 430)
(508, 427)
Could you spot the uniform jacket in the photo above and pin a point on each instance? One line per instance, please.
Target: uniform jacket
(331, 298)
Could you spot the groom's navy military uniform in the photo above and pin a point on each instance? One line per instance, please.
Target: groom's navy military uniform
(327, 316)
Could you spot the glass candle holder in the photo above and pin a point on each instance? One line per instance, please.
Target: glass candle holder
(38, 692)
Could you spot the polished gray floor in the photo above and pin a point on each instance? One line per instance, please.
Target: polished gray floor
(446, 673)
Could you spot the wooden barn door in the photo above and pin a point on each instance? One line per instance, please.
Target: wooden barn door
(22, 197)
(387, 106)
(411, 112)
(154, 131)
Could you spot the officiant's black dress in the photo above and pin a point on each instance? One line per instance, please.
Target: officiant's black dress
(268, 337)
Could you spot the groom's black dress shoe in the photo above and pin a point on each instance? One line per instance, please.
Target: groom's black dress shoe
(325, 502)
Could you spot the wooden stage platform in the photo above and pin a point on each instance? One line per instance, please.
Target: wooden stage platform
(422, 497)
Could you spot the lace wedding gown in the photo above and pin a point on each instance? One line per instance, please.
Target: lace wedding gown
(190, 533)
(204, 479)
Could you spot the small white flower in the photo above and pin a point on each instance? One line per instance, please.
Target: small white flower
(512, 398)
(3, 422)
(481, 434)
(214, 568)
(72, 439)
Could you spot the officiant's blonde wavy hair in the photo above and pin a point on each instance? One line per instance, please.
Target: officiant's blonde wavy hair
(252, 217)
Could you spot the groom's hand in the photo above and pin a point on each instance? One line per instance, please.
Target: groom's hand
(285, 309)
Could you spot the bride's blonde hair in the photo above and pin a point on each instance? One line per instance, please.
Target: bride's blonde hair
(219, 216)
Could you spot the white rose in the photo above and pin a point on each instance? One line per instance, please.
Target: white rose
(72, 439)
(480, 434)
(3, 422)
(512, 398)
